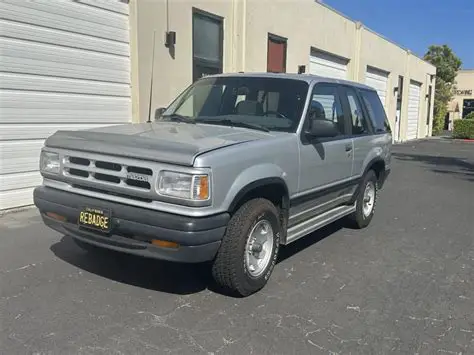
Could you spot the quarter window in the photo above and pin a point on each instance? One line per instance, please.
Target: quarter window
(376, 111)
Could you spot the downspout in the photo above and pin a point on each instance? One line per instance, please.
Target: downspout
(406, 93)
(233, 38)
(244, 34)
(134, 62)
(357, 51)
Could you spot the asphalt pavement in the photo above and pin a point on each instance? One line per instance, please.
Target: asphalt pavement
(404, 285)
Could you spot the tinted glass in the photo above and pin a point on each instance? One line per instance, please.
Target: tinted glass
(359, 122)
(468, 107)
(325, 105)
(376, 111)
(274, 103)
(206, 38)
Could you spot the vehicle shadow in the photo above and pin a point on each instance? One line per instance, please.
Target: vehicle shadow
(180, 279)
(162, 276)
(441, 164)
(310, 240)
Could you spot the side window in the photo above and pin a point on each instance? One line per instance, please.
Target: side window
(359, 122)
(376, 111)
(325, 105)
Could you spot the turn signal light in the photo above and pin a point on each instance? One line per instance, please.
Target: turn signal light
(203, 191)
(56, 216)
(165, 244)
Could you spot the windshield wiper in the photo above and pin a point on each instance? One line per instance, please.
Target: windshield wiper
(227, 122)
(179, 118)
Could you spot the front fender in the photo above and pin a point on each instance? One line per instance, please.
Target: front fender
(253, 177)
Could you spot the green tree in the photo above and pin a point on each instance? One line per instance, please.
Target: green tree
(447, 66)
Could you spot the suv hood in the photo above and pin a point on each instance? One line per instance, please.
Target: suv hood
(168, 142)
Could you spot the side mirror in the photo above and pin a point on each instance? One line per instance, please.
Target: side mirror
(322, 129)
(159, 112)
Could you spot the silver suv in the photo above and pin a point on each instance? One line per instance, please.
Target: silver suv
(237, 166)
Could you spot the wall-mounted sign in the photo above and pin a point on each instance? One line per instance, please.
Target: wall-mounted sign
(463, 92)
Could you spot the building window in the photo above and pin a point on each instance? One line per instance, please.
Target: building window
(208, 38)
(276, 54)
(468, 107)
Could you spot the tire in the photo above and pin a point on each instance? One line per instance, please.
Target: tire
(361, 217)
(233, 268)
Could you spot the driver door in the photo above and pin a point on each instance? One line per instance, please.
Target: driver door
(325, 163)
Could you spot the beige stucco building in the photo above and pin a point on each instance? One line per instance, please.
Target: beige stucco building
(315, 36)
(79, 64)
(463, 100)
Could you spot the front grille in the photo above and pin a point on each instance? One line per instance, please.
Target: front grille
(108, 172)
(108, 178)
(106, 192)
(79, 161)
(108, 166)
(78, 172)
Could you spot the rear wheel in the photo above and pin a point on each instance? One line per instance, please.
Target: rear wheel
(249, 249)
(366, 201)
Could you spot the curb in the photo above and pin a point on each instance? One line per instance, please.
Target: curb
(10, 211)
(464, 140)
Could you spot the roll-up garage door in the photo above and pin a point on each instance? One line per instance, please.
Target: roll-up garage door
(414, 93)
(377, 79)
(65, 64)
(325, 64)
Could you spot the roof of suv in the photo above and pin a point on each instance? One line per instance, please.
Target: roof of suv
(309, 78)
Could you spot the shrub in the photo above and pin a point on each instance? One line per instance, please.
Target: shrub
(470, 116)
(464, 129)
(438, 119)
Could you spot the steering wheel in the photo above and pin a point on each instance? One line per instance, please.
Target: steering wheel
(278, 114)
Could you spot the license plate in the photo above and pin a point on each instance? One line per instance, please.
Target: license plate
(95, 218)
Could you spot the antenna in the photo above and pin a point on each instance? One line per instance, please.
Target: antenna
(151, 78)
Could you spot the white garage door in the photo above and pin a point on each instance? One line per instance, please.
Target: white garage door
(413, 110)
(65, 64)
(324, 64)
(378, 80)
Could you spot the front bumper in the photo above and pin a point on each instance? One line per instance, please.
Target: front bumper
(133, 228)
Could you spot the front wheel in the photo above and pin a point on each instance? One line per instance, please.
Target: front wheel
(366, 201)
(249, 249)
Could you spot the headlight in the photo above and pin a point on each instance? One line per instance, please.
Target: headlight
(185, 186)
(49, 162)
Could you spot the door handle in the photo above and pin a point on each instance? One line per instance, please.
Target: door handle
(348, 147)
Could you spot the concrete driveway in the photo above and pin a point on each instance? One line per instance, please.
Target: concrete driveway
(405, 285)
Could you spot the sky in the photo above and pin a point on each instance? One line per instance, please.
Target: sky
(417, 24)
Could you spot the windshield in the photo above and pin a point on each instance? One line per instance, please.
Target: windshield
(274, 104)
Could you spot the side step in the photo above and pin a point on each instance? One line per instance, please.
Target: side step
(317, 222)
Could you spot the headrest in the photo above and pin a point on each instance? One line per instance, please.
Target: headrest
(248, 107)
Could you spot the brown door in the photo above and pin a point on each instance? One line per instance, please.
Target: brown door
(276, 54)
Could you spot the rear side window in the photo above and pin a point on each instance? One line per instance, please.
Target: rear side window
(376, 111)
